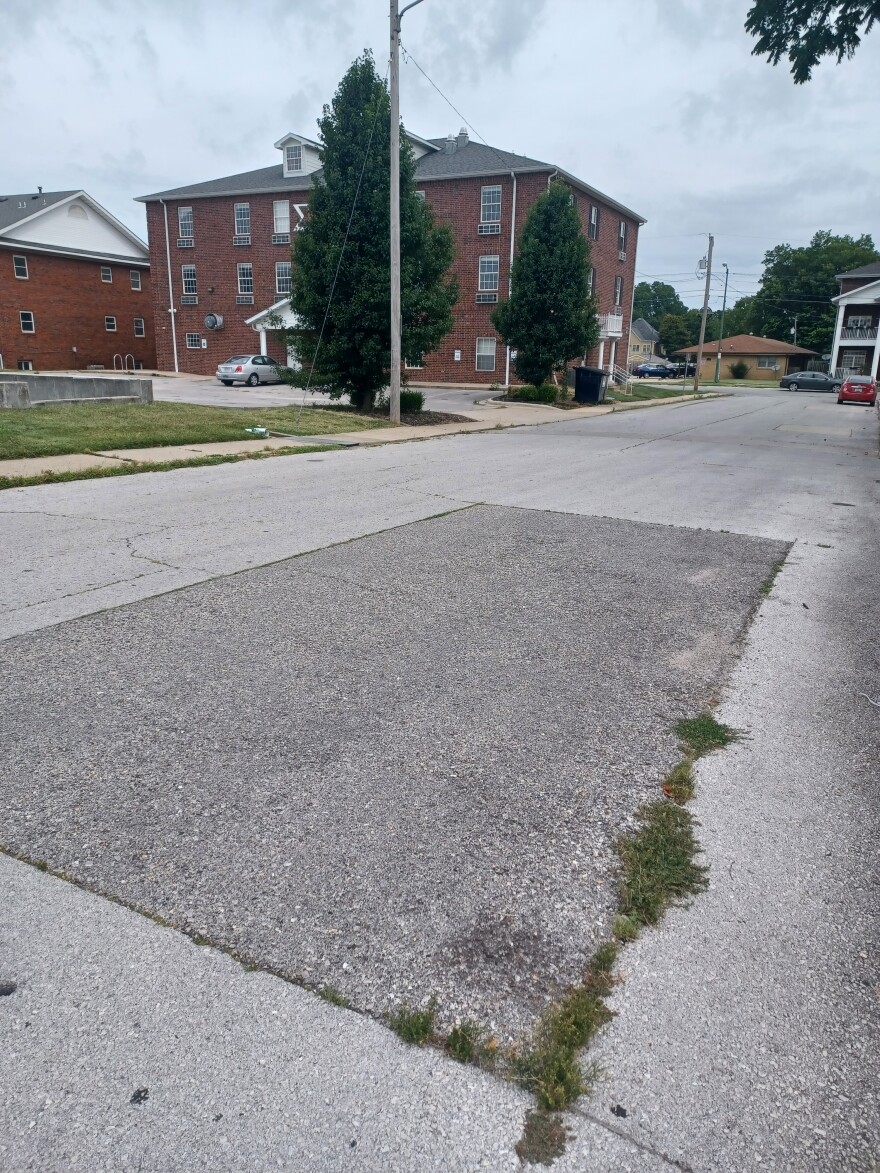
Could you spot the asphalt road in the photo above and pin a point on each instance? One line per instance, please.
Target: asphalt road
(747, 1035)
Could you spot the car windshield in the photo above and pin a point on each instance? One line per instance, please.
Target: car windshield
(240, 358)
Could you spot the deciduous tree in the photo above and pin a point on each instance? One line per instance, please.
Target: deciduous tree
(805, 31)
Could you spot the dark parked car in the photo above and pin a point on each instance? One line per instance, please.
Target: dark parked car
(810, 381)
(653, 370)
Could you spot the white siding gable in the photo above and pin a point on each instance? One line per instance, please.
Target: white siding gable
(77, 225)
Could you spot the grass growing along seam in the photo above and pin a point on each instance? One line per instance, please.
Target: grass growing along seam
(134, 466)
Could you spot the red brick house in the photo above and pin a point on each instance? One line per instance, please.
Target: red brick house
(855, 348)
(74, 286)
(226, 245)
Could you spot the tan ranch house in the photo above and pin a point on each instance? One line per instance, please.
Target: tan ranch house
(766, 358)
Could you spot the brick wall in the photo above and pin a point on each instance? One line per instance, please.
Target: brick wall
(456, 202)
(216, 260)
(69, 302)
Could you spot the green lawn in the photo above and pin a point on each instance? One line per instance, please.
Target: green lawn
(640, 390)
(53, 431)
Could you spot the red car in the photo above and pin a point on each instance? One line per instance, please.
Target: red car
(858, 389)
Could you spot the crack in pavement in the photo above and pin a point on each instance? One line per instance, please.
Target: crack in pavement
(638, 1144)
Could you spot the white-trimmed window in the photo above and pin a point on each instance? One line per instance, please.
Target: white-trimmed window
(855, 322)
(19, 265)
(767, 362)
(593, 227)
(140, 329)
(185, 223)
(854, 360)
(486, 354)
(25, 364)
(281, 211)
(420, 195)
(188, 273)
(242, 219)
(110, 324)
(488, 274)
(621, 235)
(193, 342)
(282, 276)
(415, 364)
(618, 291)
(293, 157)
(246, 277)
(591, 281)
(490, 205)
(135, 275)
(106, 274)
(28, 324)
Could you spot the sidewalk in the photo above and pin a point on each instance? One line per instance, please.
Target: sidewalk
(486, 416)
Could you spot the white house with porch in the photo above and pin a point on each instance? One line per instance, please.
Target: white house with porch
(277, 317)
(855, 349)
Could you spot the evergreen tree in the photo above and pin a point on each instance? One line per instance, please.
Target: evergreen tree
(354, 355)
(550, 317)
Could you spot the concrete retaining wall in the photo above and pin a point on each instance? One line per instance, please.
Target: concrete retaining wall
(23, 389)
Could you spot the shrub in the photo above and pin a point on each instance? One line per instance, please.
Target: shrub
(739, 369)
(546, 393)
(411, 402)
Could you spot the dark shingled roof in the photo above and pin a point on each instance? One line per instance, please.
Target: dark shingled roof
(11, 213)
(468, 159)
(872, 270)
(644, 331)
(265, 179)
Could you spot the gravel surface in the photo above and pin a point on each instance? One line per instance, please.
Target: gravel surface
(396, 766)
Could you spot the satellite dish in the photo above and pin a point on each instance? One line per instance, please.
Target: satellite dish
(213, 321)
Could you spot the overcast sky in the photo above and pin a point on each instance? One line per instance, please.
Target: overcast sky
(659, 103)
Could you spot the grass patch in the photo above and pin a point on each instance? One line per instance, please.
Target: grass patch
(64, 428)
(767, 585)
(333, 996)
(700, 735)
(543, 1140)
(415, 1026)
(465, 1042)
(658, 862)
(625, 928)
(679, 782)
(648, 391)
(135, 466)
(550, 1067)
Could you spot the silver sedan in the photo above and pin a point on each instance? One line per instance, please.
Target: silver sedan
(251, 369)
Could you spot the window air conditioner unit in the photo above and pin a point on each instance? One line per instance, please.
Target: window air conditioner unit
(489, 230)
(621, 255)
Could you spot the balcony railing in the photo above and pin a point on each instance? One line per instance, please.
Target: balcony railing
(858, 334)
(610, 325)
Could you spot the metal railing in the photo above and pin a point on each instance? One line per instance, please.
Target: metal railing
(858, 334)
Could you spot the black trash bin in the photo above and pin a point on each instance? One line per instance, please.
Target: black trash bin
(588, 383)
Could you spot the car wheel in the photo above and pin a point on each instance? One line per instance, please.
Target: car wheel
(226, 382)
(793, 387)
(839, 400)
(253, 380)
(836, 388)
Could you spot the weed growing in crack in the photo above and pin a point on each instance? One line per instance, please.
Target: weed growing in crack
(415, 1026)
(549, 1067)
(465, 1042)
(659, 867)
(767, 585)
(333, 996)
(543, 1140)
(700, 735)
(679, 782)
(625, 928)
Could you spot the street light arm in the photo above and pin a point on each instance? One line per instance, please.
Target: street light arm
(405, 10)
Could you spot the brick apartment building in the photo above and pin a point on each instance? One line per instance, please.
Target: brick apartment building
(226, 245)
(74, 286)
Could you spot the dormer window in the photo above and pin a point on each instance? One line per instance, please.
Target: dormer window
(293, 157)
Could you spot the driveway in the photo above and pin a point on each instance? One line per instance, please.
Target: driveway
(440, 728)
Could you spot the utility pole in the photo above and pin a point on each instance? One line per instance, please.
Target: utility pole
(396, 325)
(721, 329)
(705, 312)
(794, 329)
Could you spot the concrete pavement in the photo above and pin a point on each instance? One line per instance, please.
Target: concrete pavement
(748, 1033)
